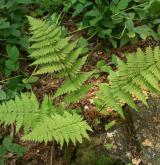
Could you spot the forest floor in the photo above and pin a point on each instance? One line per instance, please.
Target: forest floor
(41, 154)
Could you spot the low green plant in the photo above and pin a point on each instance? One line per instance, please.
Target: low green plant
(8, 146)
(118, 21)
(13, 43)
(12, 86)
(11, 64)
(140, 72)
(47, 6)
(13, 22)
(27, 82)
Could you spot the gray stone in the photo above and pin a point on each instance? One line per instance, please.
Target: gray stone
(136, 138)
(146, 125)
(97, 152)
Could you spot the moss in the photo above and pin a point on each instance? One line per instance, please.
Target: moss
(90, 157)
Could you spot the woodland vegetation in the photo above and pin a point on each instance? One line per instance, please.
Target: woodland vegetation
(68, 68)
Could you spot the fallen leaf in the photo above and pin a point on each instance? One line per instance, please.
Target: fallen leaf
(147, 143)
(136, 161)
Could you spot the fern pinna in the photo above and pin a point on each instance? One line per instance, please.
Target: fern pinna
(45, 121)
(141, 71)
(56, 54)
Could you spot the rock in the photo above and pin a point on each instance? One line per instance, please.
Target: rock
(136, 140)
(146, 125)
(109, 148)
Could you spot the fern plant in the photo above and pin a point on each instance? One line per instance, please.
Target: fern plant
(58, 55)
(141, 71)
(62, 128)
(46, 122)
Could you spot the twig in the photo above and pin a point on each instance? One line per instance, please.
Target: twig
(51, 156)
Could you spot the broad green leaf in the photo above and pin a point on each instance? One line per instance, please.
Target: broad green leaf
(124, 39)
(84, 44)
(94, 21)
(153, 7)
(104, 33)
(92, 13)
(4, 25)
(143, 31)
(12, 52)
(12, 147)
(2, 95)
(103, 66)
(7, 72)
(29, 80)
(2, 2)
(114, 9)
(130, 25)
(13, 83)
(123, 4)
(131, 34)
(10, 64)
(113, 42)
(158, 29)
(15, 32)
(114, 59)
(78, 9)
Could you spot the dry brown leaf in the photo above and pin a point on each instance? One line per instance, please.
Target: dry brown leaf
(147, 143)
(136, 161)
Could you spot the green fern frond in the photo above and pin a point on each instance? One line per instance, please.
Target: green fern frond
(52, 52)
(47, 107)
(45, 121)
(57, 55)
(106, 99)
(36, 24)
(141, 71)
(76, 68)
(76, 96)
(50, 68)
(73, 84)
(24, 111)
(69, 127)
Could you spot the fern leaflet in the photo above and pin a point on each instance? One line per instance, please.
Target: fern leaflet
(141, 71)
